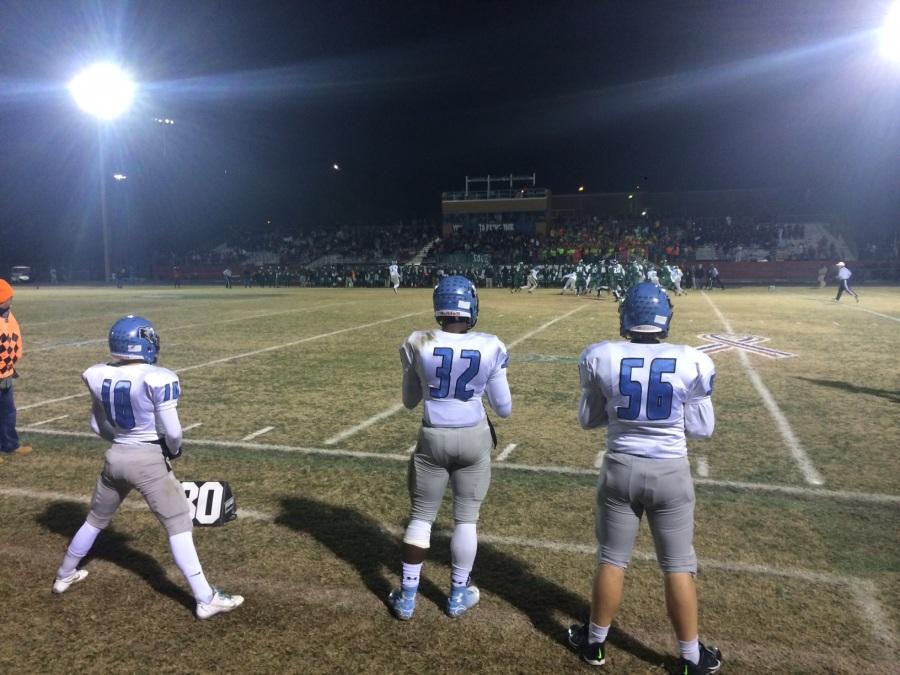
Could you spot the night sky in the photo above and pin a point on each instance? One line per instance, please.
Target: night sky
(409, 98)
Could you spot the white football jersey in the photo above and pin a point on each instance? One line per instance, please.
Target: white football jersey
(394, 271)
(651, 395)
(844, 274)
(131, 395)
(451, 372)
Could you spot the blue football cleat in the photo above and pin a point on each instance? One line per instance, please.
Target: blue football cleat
(462, 599)
(402, 604)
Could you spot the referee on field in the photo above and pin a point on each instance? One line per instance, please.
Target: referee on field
(843, 275)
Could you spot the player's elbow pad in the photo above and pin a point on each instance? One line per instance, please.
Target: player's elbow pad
(699, 419)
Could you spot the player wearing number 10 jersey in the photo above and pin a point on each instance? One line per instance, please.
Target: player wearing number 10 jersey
(134, 407)
(449, 370)
(652, 396)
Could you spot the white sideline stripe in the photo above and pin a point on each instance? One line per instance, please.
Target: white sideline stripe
(193, 426)
(52, 419)
(225, 359)
(864, 592)
(702, 467)
(598, 462)
(206, 324)
(796, 491)
(264, 430)
(810, 474)
(393, 410)
(856, 308)
(507, 451)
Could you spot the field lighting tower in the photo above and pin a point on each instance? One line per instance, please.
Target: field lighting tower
(104, 91)
(889, 35)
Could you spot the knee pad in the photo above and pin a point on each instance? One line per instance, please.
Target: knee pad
(418, 533)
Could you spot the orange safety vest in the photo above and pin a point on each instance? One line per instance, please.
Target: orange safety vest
(11, 345)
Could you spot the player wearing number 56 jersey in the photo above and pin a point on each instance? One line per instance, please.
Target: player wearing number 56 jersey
(449, 370)
(652, 396)
(134, 407)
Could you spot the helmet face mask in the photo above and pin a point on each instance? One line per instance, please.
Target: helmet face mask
(456, 297)
(133, 338)
(646, 310)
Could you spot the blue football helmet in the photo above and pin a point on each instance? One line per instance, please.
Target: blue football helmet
(645, 309)
(456, 296)
(133, 338)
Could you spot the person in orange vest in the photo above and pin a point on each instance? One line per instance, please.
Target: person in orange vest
(11, 348)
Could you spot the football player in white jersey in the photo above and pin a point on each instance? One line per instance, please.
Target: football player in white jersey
(532, 281)
(843, 276)
(134, 407)
(394, 273)
(569, 284)
(449, 370)
(652, 396)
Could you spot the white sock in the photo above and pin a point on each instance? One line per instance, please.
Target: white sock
(690, 650)
(409, 580)
(597, 633)
(78, 548)
(463, 547)
(185, 555)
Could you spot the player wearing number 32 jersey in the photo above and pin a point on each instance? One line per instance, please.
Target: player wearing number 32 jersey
(449, 370)
(134, 407)
(652, 396)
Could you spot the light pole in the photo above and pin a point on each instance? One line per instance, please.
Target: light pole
(104, 91)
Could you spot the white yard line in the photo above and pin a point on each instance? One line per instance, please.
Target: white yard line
(810, 474)
(702, 467)
(226, 359)
(52, 419)
(507, 451)
(394, 409)
(206, 324)
(598, 462)
(796, 491)
(863, 591)
(346, 433)
(192, 426)
(260, 432)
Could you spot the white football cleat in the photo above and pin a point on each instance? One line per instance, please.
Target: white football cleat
(60, 586)
(221, 602)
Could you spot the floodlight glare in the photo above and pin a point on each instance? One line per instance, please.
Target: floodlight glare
(103, 90)
(889, 35)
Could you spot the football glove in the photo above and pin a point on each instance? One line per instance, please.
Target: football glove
(167, 452)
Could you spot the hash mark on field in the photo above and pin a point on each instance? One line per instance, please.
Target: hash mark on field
(193, 426)
(793, 490)
(507, 451)
(397, 408)
(226, 359)
(702, 467)
(260, 432)
(52, 419)
(599, 461)
(863, 591)
(810, 474)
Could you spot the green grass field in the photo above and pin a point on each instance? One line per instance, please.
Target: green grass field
(798, 492)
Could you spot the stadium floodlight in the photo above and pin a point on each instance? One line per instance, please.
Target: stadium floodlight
(119, 176)
(336, 166)
(103, 90)
(581, 188)
(889, 35)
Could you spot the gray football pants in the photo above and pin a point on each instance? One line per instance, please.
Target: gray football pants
(143, 468)
(628, 487)
(460, 456)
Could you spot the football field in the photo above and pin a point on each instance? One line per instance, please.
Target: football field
(293, 397)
